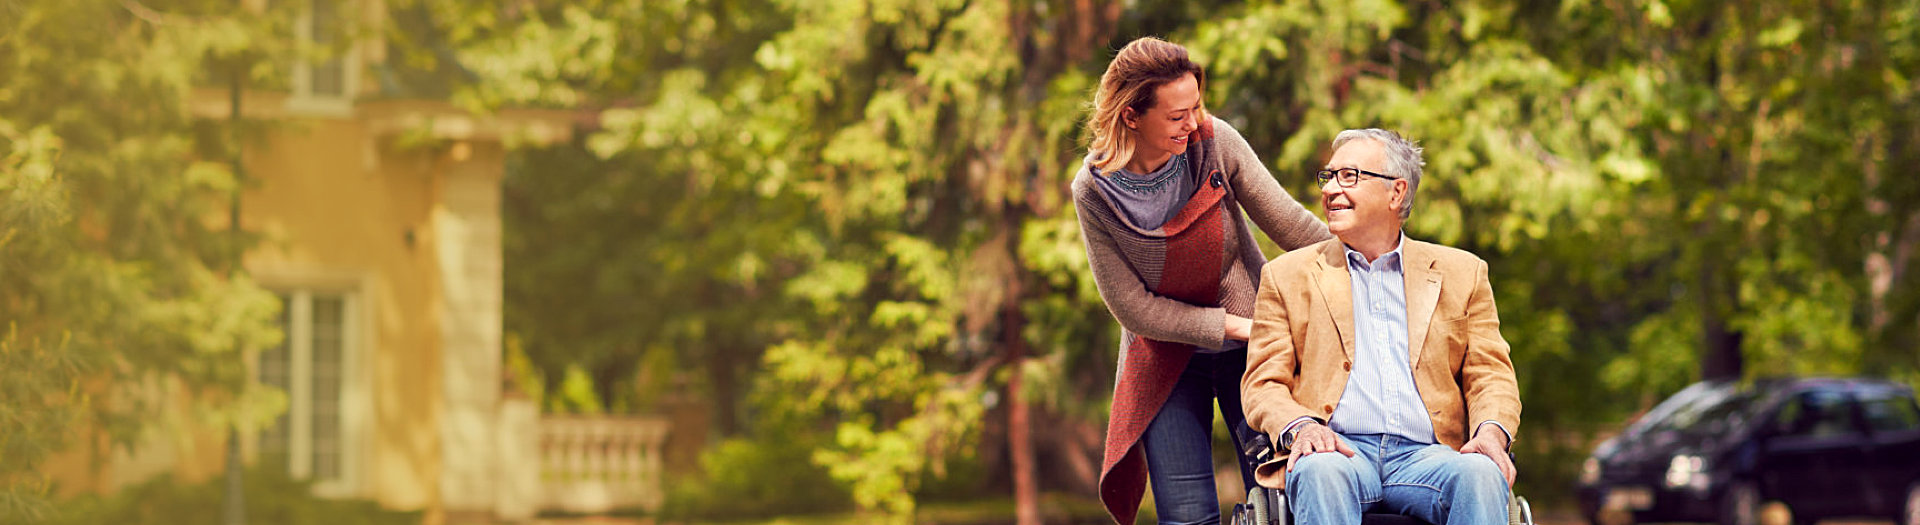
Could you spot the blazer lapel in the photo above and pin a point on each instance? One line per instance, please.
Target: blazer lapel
(1423, 295)
(1336, 291)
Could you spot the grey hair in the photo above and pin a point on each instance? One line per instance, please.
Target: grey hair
(1403, 158)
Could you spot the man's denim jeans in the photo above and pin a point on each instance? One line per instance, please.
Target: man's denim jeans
(1179, 441)
(1391, 474)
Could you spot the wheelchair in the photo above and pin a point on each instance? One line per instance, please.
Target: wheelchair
(1266, 506)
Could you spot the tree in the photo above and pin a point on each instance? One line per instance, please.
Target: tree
(111, 263)
(856, 205)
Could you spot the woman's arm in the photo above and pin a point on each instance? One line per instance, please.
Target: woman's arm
(1269, 205)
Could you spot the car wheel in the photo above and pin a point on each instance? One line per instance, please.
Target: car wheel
(1613, 517)
(1740, 505)
(1910, 513)
(1777, 512)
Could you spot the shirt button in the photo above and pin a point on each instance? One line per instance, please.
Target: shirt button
(1328, 409)
(1348, 366)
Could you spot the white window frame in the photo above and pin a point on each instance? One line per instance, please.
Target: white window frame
(355, 403)
(304, 100)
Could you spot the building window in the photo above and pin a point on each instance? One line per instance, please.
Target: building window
(312, 437)
(323, 80)
(324, 31)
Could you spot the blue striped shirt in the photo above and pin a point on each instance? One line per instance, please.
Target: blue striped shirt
(1380, 397)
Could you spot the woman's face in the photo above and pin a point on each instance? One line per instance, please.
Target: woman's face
(1164, 129)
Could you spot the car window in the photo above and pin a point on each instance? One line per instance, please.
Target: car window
(1817, 414)
(1689, 400)
(1712, 413)
(1890, 413)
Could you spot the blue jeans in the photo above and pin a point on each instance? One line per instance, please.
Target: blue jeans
(1179, 441)
(1392, 474)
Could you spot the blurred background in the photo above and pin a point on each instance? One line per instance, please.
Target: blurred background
(691, 261)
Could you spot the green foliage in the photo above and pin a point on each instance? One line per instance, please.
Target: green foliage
(43, 387)
(574, 394)
(113, 273)
(769, 475)
(271, 497)
(860, 230)
(850, 209)
(523, 376)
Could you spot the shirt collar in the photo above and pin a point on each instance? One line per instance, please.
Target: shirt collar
(1391, 259)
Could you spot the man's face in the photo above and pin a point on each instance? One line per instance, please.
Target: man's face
(1372, 204)
(1165, 127)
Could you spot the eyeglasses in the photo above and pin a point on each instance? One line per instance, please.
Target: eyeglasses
(1349, 176)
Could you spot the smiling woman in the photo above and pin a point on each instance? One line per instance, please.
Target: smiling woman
(1151, 83)
(1160, 202)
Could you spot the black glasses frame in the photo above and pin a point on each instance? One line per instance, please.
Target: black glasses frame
(1349, 177)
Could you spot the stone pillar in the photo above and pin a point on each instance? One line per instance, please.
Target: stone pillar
(466, 224)
(520, 461)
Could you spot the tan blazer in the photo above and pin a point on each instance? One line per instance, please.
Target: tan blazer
(1301, 351)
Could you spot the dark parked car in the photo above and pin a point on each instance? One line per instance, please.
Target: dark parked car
(1716, 451)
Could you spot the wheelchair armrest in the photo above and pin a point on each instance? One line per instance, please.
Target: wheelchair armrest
(1258, 447)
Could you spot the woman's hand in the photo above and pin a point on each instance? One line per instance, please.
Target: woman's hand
(1239, 328)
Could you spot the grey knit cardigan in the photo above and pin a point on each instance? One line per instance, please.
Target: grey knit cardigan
(1128, 261)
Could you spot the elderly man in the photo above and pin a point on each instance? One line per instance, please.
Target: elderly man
(1377, 360)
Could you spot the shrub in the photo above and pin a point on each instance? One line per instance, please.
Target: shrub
(271, 497)
(757, 478)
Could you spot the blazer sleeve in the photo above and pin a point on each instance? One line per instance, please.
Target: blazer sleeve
(1268, 204)
(1487, 378)
(1266, 390)
(1138, 309)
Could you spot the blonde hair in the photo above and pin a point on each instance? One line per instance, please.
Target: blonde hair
(1131, 79)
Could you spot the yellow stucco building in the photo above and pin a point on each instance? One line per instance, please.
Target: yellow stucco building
(381, 233)
(387, 259)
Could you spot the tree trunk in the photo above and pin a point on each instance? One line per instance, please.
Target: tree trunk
(1082, 27)
(1716, 284)
(1720, 357)
(235, 511)
(1070, 449)
(1026, 490)
(722, 372)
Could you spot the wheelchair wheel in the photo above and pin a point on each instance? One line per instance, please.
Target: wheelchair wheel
(1520, 512)
(1266, 507)
(1262, 514)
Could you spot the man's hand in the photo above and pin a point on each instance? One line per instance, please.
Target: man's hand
(1492, 443)
(1315, 438)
